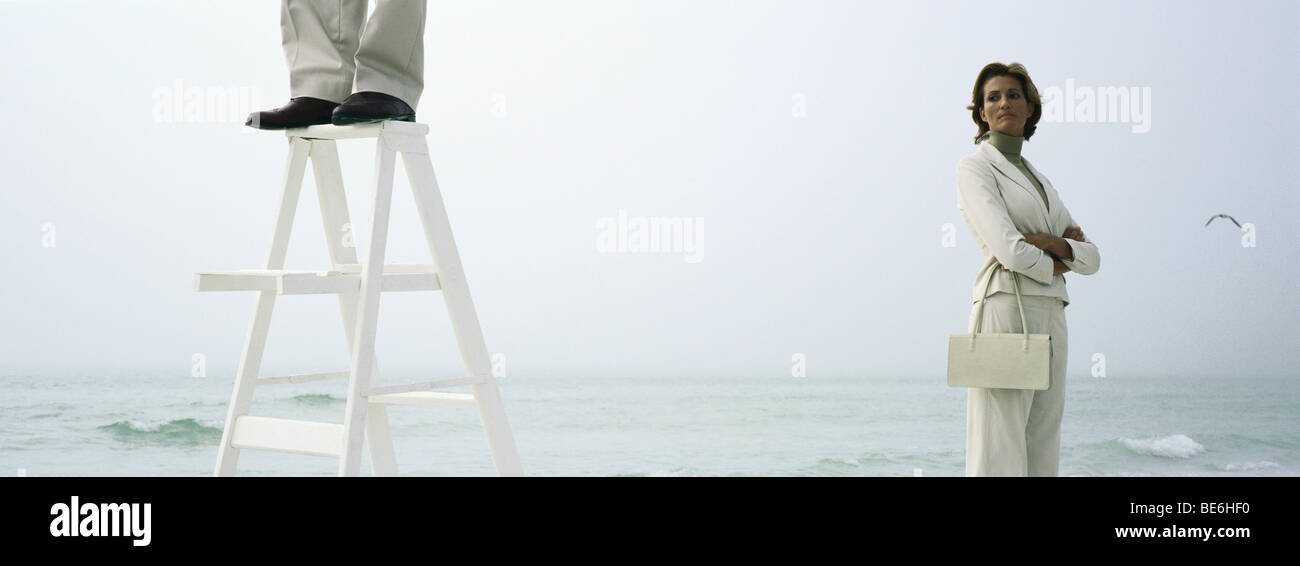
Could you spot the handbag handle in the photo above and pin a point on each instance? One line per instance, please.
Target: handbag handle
(993, 271)
(979, 313)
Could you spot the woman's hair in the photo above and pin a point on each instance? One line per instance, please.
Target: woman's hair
(998, 70)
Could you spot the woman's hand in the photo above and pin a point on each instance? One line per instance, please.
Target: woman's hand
(1055, 245)
(1059, 267)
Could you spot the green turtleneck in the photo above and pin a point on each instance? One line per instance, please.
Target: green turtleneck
(1010, 148)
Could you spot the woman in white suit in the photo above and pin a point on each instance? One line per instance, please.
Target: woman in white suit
(1015, 214)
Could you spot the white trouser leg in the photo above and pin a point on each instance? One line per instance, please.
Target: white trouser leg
(1043, 436)
(320, 40)
(1016, 432)
(391, 57)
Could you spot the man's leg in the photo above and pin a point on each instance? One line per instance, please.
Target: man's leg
(391, 56)
(320, 39)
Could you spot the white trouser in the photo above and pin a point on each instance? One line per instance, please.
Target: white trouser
(330, 57)
(1017, 432)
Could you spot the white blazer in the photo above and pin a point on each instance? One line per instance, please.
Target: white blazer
(1000, 206)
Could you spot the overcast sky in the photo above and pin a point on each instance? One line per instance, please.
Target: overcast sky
(813, 145)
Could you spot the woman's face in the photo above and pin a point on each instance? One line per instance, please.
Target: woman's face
(1005, 107)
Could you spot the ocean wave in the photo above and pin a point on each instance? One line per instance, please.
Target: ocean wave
(681, 472)
(316, 399)
(833, 462)
(1250, 466)
(1173, 446)
(868, 459)
(869, 463)
(178, 432)
(221, 403)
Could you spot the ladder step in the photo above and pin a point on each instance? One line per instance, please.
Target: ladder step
(285, 435)
(424, 386)
(427, 398)
(355, 268)
(345, 279)
(303, 377)
(353, 131)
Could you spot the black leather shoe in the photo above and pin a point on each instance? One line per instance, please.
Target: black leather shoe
(300, 112)
(367, 106)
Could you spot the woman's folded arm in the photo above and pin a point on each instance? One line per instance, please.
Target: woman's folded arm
(1086, 260)
(987, 217)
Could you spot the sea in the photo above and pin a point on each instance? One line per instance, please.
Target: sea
(90, 422)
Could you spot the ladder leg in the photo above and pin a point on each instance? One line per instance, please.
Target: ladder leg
(363, 347)
(492, 413)
(334, 212)
(460, 307)
(251, 359)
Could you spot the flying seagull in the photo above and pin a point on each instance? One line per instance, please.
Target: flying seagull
(1234, 220)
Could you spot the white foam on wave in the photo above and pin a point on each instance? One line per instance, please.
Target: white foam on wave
(157, 425)
(1249, 466)
(1173, 446)
(839, 460)
(675, 473)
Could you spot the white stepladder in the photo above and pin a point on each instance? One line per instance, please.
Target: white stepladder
(358, 286)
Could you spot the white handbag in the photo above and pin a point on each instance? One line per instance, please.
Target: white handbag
(1000, 361)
